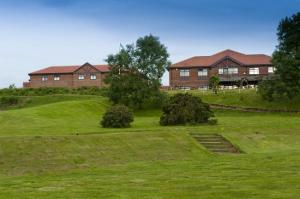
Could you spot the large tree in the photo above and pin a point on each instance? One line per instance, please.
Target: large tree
(286, 60)
(136, 71)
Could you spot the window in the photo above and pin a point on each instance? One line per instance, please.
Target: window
(81, 77)
(253, 71)
(203, 87)
(233, 70)
(221, 71)
(184, 73)
(56, 77)
(229, 71)
(271, 69)
(44, 78)
(93, 77)
(185, 88)
(202, 72)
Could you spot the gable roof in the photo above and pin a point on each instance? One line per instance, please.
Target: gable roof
(209, 61)
(67, 69)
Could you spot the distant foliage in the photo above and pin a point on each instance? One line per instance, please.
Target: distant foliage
(286, 60)
(185, 109)
(136, 72)
(117, 116)
(8, 101)
(214, 84)
(52, 91)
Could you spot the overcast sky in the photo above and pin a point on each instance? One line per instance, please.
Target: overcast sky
(40, 33)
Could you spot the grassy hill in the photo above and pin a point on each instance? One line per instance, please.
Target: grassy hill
(245, 98)
(54, 147)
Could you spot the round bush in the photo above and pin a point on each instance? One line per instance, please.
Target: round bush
(117, 116)
(185, 109)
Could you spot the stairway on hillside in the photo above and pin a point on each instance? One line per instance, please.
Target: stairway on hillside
(215, 143)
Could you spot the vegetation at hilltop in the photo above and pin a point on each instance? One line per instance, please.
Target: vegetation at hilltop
(12, 91)
(286, 60)
(136, 72)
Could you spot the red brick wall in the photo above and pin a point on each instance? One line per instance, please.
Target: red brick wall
(70, 80)
(87, 71)
(65, 81)
(193, 80)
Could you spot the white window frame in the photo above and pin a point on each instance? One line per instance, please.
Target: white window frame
(203, 72)
(271, 69)
(221, 71)
(229, 71)
(233, 71)
(45, 78)
(203, 87)
(185, 88)
(93, 77)
(81, 77)
(184, 72)
(56, 77)
(254, 71)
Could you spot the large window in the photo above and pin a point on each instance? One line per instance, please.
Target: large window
(80, 77)
(45, 78)
(254, 71)
(56, 77)
(184, 73)
(229, 71)
(271, 69)
(202, 72)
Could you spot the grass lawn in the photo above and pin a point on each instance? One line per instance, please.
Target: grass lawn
(56, 149)
(248, 98)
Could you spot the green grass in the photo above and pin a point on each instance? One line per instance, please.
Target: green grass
(245, 98)
(55, 148)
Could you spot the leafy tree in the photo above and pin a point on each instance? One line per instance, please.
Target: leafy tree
(286, 59)
(12, 86)
(185, 109)
(214, 84)
(117, 116)
(136, 71)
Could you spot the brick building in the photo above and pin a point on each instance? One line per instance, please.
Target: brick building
(68, 76)
(231, 67)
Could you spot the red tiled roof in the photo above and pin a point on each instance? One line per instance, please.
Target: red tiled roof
(66, 69)
(208, 61)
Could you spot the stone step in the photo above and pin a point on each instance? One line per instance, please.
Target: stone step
(215, 143)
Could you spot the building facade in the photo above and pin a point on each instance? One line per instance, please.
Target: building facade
(232, 68)
(68, 76)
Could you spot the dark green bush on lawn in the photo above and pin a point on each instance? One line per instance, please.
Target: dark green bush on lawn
(117, 116)
(185, 109)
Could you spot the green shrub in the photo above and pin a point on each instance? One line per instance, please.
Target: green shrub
(117, 116)
(52, 91)
(7, 101)
(185, 109)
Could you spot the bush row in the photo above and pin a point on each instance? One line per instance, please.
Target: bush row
(52, 91)
(8, 101)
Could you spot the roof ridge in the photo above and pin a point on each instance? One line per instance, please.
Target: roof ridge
(228, 50)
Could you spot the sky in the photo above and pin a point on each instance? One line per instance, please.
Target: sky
(38, 33)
